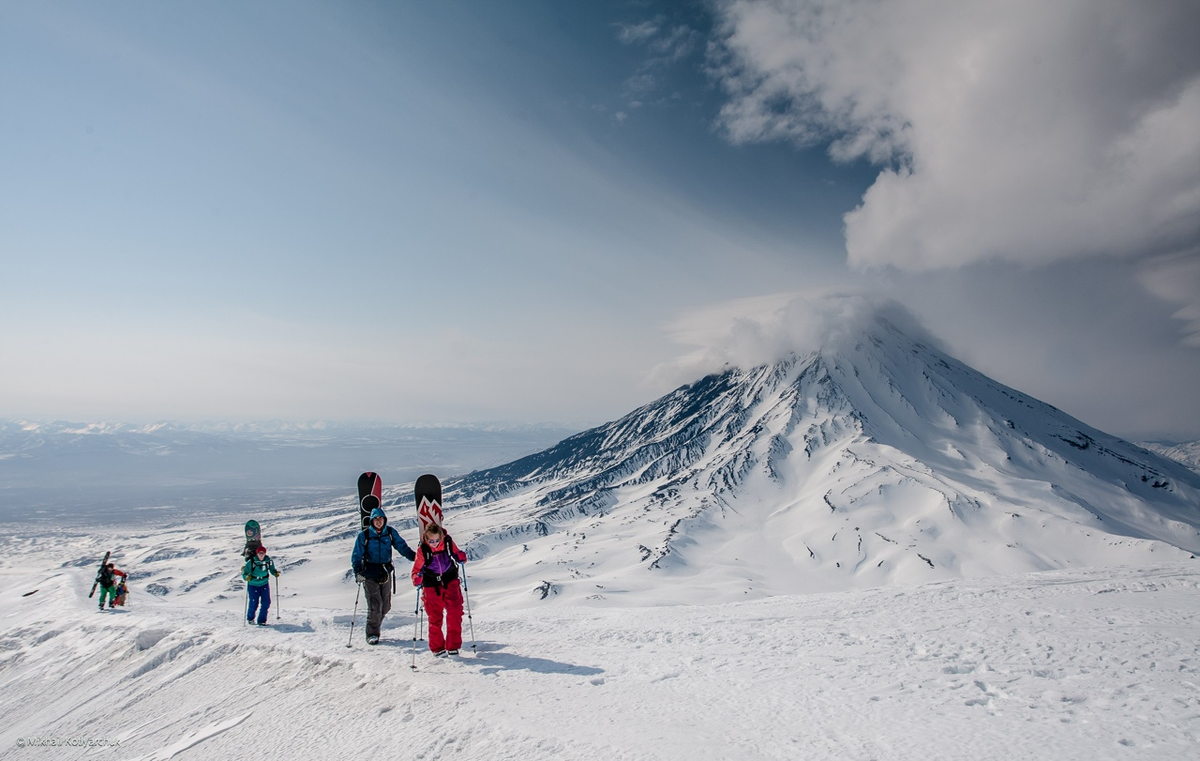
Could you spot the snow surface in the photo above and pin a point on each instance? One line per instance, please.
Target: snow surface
(1186, 453)
(867, 552)
(874, 461)
(1075, 664)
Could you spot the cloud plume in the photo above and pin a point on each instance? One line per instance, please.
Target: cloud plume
(1015, 130)
(754, 331)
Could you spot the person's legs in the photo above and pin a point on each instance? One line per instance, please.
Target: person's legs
(454, 615)
(375, 606)
(265, 599)
(255, 595)
(434, 607)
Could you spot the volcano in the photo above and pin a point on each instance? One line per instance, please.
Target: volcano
(872, 461)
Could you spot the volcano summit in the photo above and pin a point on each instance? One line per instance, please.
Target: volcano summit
(875, 460)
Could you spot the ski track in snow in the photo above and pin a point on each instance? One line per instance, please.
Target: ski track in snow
(1079, 664)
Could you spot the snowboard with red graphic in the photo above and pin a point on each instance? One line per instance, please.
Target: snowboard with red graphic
(428, 494)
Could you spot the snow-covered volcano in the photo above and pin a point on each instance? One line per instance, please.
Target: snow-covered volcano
(873, 461)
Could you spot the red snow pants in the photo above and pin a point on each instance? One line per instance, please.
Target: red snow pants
(445, 603)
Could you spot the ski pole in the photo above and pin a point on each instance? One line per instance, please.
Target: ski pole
(416, 625)
(246, 613)
(467, 597)
(348, 641)
(278, 599)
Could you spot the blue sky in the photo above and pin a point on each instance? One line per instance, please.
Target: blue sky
(529, 211)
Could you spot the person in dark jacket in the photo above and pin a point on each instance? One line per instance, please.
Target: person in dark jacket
(108, 584)
(372, 562)
(436, 572)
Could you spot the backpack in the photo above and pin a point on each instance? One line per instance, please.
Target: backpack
(430, 578)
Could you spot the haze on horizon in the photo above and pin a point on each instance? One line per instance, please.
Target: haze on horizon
(537, 212)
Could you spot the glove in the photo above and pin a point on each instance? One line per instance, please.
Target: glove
(277, 574)
(245, 577)
(359, 578)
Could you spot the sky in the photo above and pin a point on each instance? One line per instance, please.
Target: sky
(529, 211)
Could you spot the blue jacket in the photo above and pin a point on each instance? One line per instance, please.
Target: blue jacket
(373, 549)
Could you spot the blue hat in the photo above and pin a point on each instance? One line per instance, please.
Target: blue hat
(378, 513)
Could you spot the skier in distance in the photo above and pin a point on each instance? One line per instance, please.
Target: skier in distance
(257, 573)
(108, 585)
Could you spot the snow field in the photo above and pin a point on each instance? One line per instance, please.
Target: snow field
(1087, 664)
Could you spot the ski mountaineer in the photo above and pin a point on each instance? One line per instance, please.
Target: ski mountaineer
(257, 573)
(437, 574)
(372, 563)
(107, 581)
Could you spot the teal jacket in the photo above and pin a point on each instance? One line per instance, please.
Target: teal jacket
(256, 571)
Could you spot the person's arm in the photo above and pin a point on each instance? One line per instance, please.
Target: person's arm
(459, 555)
(418, 567)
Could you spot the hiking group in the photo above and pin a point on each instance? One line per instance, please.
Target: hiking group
(434, 571)
(435, 568)
(110, 588)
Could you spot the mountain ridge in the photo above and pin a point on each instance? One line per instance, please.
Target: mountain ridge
(878, 460)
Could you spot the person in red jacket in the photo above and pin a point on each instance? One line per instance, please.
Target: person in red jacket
(437, 574)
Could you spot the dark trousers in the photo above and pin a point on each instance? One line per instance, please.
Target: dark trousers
(379, 602)
(259, 594)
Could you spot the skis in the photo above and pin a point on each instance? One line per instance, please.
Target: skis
(428, 494)
(370, 496)
(98, 572)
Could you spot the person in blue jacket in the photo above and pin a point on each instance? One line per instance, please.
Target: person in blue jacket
(372, 562)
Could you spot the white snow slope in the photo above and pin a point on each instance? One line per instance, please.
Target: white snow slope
(869, 552)
(877, 461)
(1076, 664)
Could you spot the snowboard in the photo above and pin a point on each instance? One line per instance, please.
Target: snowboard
(98, 572)
(253, 539)
(428, 494)
(370, 496)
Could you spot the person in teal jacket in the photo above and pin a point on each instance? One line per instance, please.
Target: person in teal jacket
(257, 573)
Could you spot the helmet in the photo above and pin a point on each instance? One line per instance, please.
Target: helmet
(261, 550)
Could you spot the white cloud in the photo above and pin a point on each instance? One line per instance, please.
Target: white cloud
(636, 33)
(1015, 130)
(1176, 279)
(754, 331)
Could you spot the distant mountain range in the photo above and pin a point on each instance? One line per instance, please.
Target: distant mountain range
(1187, 453)
(121, 470)
(874, 461)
